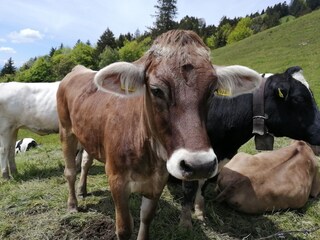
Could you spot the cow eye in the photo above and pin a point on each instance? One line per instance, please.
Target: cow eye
(157, 92)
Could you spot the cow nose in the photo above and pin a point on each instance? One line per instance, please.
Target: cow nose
(186, 165)
(197, 171)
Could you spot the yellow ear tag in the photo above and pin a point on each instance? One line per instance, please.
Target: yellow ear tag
(223, 92)
(129, 89)
(280, 93)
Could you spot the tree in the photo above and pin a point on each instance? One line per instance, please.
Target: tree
(28, 64)
(122, 38)
(298, 8)
(41, 71)
(106, 39)
(108, 56)
(83, 54)
(241, 31)
(271, 20)
(133, 50)
(165, 15)
(62, 63)
(257, 24)
(313, 4)
(192, 23)
(221, 36)
(8, 68)
(52, 51)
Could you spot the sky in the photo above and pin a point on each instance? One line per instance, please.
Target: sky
(30, 28)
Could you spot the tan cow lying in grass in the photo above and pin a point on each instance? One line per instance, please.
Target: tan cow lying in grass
(268, 181)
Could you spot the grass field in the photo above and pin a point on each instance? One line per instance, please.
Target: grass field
(33, 204)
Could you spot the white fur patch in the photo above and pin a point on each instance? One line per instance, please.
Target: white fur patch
(237, 79)
(200, 157)
(266, 75)
(299, 77)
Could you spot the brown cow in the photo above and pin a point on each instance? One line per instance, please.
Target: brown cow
(148, 119)
(268, 181)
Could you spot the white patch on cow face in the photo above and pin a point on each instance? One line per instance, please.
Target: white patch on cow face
(182, 157)
(266, 75)
(299, 77)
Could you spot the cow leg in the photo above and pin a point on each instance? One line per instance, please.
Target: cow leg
(120, 194)
(86, 163)
(79, 157)
(69, 148)
(199, 202)
(189, 189)
(11, 154)
(147, 212)
(7, 146)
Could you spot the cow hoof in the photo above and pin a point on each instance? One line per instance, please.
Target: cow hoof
(82, 195)
(199, 215)
(6, 176)
(72, 209)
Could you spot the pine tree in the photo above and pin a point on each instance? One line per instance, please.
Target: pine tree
(52, 51)
(165, 15)
(8, 68)
(298, 8)
(106, 40)
(313, 4)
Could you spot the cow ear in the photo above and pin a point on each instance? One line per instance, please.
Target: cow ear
(121, 78)
(281, 93)
(235, 80)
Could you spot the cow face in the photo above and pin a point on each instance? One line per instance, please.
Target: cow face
(291, 107)
(176, 77)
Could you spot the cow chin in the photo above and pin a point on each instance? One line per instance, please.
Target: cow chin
(186, 165)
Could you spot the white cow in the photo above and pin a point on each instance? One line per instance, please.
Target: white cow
(24, 105)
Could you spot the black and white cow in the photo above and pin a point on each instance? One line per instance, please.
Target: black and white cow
(290, 110)
(25, 144)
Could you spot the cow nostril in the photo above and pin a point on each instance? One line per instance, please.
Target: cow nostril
(186, 167)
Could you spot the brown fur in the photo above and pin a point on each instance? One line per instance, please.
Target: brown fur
(269, 181)
(134, 136)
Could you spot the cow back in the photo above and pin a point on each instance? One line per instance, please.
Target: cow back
(270, 181)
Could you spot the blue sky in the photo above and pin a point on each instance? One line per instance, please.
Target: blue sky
(29, 28)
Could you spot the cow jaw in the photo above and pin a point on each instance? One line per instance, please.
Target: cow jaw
(186, 165)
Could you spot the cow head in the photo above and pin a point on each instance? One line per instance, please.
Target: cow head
(291, 107)
(176, 77)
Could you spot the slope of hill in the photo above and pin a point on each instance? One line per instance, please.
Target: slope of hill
(296, 42)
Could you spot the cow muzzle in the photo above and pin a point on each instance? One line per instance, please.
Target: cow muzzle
(187, 165)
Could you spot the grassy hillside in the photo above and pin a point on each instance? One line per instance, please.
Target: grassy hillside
(296, 42)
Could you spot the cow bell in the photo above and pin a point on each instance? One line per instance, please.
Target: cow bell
(264, 142)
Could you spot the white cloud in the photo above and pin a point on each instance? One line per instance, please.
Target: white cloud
(7, 50)
(2, 40)
(26, 35)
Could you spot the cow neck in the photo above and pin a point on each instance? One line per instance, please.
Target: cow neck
(263, 140)
(258, 110)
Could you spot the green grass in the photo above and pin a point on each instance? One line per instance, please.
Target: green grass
(33, 204)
